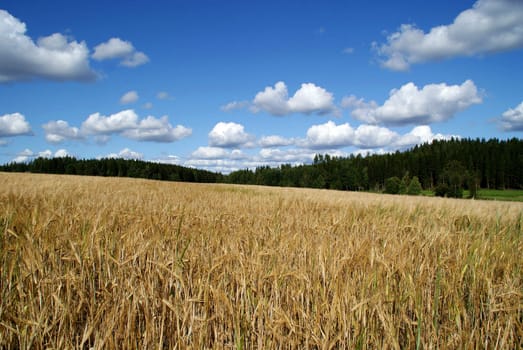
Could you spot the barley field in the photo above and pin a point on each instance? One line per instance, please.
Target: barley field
(105, 263)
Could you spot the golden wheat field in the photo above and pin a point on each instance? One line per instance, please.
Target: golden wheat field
(104, 263)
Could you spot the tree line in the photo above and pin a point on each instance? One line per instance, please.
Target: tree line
(467, 163)
(445, 166)
(114, 167)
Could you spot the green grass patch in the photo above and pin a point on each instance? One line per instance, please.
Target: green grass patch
(501, 195)
(488, 194)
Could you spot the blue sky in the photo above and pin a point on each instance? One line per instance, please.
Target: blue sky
(226, 85)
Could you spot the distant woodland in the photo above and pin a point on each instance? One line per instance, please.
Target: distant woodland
(469, 163)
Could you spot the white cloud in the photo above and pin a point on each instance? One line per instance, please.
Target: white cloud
(348, 50)
(53, 57)
(61, 153)
(45, 154)
(419, 135)
(163, 95)
(512, 119)
(291, 156)
(231, 106)
(115, 123)
(312, 99)
(135, 60)
(147, 105)
(157, 130)
(113, 48)
(126, 153)
(116, 48)
(129, 97)
(275, 141)
(14, 125)
(23, 156)
(127, 123)
(210, 153)
(57, 131)
(372, 136)
(229, 135)
(308, 99)
(329, 135)
(366, 137)
(272, 99)
(26, 155)
(489, 26)
(410, 105)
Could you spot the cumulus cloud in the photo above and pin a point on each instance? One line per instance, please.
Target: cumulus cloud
(329, 135)
(229, 135)
(419, 135)
(115, 123)
(275, 141)
(53, 57)
(489, 26)
(23, 156)
(27, 155)
(291, 156)
(308, 99)
(126, 153)
(127, 124)
(367, 137)
(61, 153)
(411, 105)
(210, 153)
(231, 106)
(116, 48)
(57, 131)
(157, 130)
(14, 124)
(372, 136)
(512, 119)
(129, 97)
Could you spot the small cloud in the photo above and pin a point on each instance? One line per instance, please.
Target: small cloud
(147, 105)
(135, 60)
(116, 48)
(163, 95)
(129, 97)
(235, 105)
(210, 153)
(57, 131)
(275, 141)
(348, 50)
(512, 119)
(14, 125)
(157, 130)
(308, 99)
(23, 156)
(229, 135)
(126, 153)
(61, 153)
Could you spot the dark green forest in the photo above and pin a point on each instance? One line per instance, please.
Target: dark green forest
(440, 165)
(114, 167)
(490, 163)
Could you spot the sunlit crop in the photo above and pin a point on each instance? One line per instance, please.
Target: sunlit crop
(125, 263)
